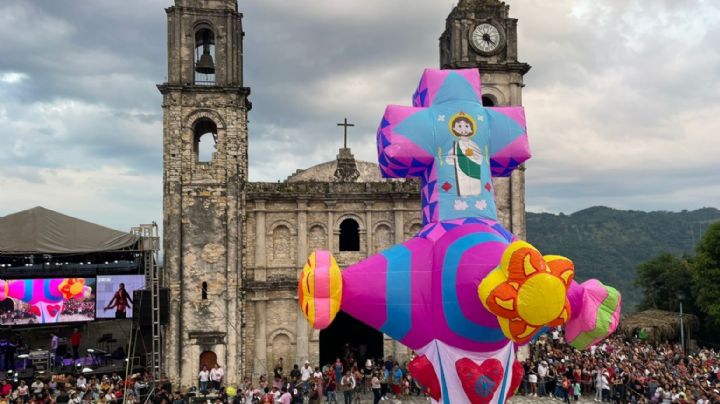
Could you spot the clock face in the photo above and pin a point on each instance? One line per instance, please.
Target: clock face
(486, 38)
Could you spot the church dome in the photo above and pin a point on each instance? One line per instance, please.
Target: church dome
(351, 170)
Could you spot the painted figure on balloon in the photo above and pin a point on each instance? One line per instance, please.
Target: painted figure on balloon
(464, 292)
(465, 155)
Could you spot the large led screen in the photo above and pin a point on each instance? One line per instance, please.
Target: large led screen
(46, 301)
(114, 295)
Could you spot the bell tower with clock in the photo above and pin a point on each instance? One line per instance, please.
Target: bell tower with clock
(480, 34)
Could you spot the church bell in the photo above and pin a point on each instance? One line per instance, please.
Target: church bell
(205, 65)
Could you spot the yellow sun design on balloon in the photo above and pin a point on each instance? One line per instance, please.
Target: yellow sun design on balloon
(528, 291)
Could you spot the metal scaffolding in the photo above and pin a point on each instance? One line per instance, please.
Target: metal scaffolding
(150, 246)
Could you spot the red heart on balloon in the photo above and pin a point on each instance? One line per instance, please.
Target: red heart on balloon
(34, 310)
(479, 381)
(517, 375)
(53, 309)
(422, 370)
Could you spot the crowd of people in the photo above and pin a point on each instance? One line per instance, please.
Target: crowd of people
(76, 389)
(618, 370)
(344, 381)
(621, 370)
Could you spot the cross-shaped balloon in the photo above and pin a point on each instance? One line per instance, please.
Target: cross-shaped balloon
(464, 291)
(453, 143)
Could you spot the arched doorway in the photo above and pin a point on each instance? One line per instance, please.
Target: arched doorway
(208, 358)
(347, 335)
(349, 235)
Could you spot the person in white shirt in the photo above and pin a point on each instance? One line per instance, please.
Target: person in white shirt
(216, 377)
(81, 382)
(347, 385)
(23, 391)
(204, 376)
(37, 387)
(305, 374)
(542, 371)
(74, 399)
(605, 384)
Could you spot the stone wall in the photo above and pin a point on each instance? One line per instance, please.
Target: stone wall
(286, 222)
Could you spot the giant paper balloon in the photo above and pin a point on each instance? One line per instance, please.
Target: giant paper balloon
(464, 291)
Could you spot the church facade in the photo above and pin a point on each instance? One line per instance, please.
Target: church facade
(234, 248)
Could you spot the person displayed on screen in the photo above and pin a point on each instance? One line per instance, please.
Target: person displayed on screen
(121, 301)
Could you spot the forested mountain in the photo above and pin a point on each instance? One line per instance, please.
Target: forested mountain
(609, 244)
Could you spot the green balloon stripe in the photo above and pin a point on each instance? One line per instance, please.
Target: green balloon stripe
(604, 319)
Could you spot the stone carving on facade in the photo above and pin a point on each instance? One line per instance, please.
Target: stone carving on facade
(346, 170)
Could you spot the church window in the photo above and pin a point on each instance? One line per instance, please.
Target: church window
(204, 63)
(205, 136)
(349, 235)
(204, 291)
(488, 101)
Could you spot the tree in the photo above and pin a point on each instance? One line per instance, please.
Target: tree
(664, 280)
(706, 272)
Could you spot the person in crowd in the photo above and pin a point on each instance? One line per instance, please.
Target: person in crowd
(23, 391)
(331, 389)
(285, 397)
(375, 386)
(338, 368)
(347, 386)
(295, 373)
(532, 379)
(75, 338)
(54, 343)
(37, 388)
(305, 375)
(204, 378)
(216, 377)
(542, 372)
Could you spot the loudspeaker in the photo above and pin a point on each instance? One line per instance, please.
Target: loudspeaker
(142, 309)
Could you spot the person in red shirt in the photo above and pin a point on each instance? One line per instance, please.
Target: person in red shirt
(5, 389)
(75, 338)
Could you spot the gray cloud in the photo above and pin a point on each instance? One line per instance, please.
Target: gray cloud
(622, 100)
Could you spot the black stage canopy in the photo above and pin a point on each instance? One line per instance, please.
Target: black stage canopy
(40, 230)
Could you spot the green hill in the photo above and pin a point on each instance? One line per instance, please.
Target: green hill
(609, 244)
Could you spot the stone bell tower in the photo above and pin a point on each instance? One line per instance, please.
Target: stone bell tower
(481, 34)
(205, 136)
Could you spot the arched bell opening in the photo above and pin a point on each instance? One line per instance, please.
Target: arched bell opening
(205, 140)
(204, 65)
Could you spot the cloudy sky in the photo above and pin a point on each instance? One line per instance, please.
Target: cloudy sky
(623, 100)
